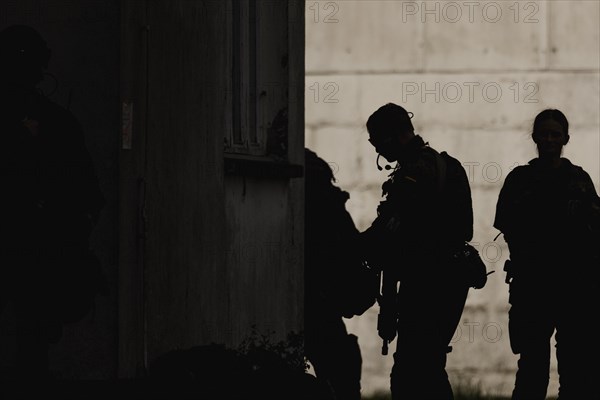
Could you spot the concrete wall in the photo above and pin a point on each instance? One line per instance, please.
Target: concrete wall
(475, 76)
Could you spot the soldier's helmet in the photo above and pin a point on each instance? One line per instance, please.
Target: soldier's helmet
(23, 55)
(318, 171)
(388, 119)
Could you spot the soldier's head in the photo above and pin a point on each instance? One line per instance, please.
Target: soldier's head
(23, 57)
(318, 171)
(390, 129)
(550, 133)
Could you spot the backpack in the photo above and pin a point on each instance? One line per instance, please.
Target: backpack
(466, 261)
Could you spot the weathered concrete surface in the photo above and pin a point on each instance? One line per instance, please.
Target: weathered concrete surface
(490, 78)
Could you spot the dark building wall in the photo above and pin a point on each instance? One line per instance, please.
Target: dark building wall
(265, 215)
(186, 281)
(218, 253)
(84, 39)
(172, 278)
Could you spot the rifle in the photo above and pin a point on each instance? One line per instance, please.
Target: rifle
(388, 312)
(387, 291)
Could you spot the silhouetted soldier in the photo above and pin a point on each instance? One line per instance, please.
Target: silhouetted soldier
(50, 202)
(335, 284)
(549, 214)
(425, 218)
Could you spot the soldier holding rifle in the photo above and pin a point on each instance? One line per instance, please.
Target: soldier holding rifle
(426, 217)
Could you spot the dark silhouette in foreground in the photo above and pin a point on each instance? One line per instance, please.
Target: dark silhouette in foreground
(549, 213)
(214, 371)
(424, 221)
(336, 283)
(50, 203)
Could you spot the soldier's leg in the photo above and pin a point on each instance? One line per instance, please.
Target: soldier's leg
(345, 376)
(530, 330)
(31, 301)
(578, 357)
(420, 358)
(32, 341)
(419, 372)
(452, 305)
(337, 361)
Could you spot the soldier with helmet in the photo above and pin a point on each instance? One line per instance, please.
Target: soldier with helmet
(425, 218)
(50, 202)
(336, 285)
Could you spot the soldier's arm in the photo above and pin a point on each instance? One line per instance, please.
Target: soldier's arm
(85, 186)
(460, 210)
(591, 206)
(502, 218)
(506, 219)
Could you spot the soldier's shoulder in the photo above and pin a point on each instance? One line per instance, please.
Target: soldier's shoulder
(579, 176)
(450, 160)
(573, 168)
(518, 177)
(428, 153)
(520, 172)
(57, 114)
(60, 124)
(426, 159)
